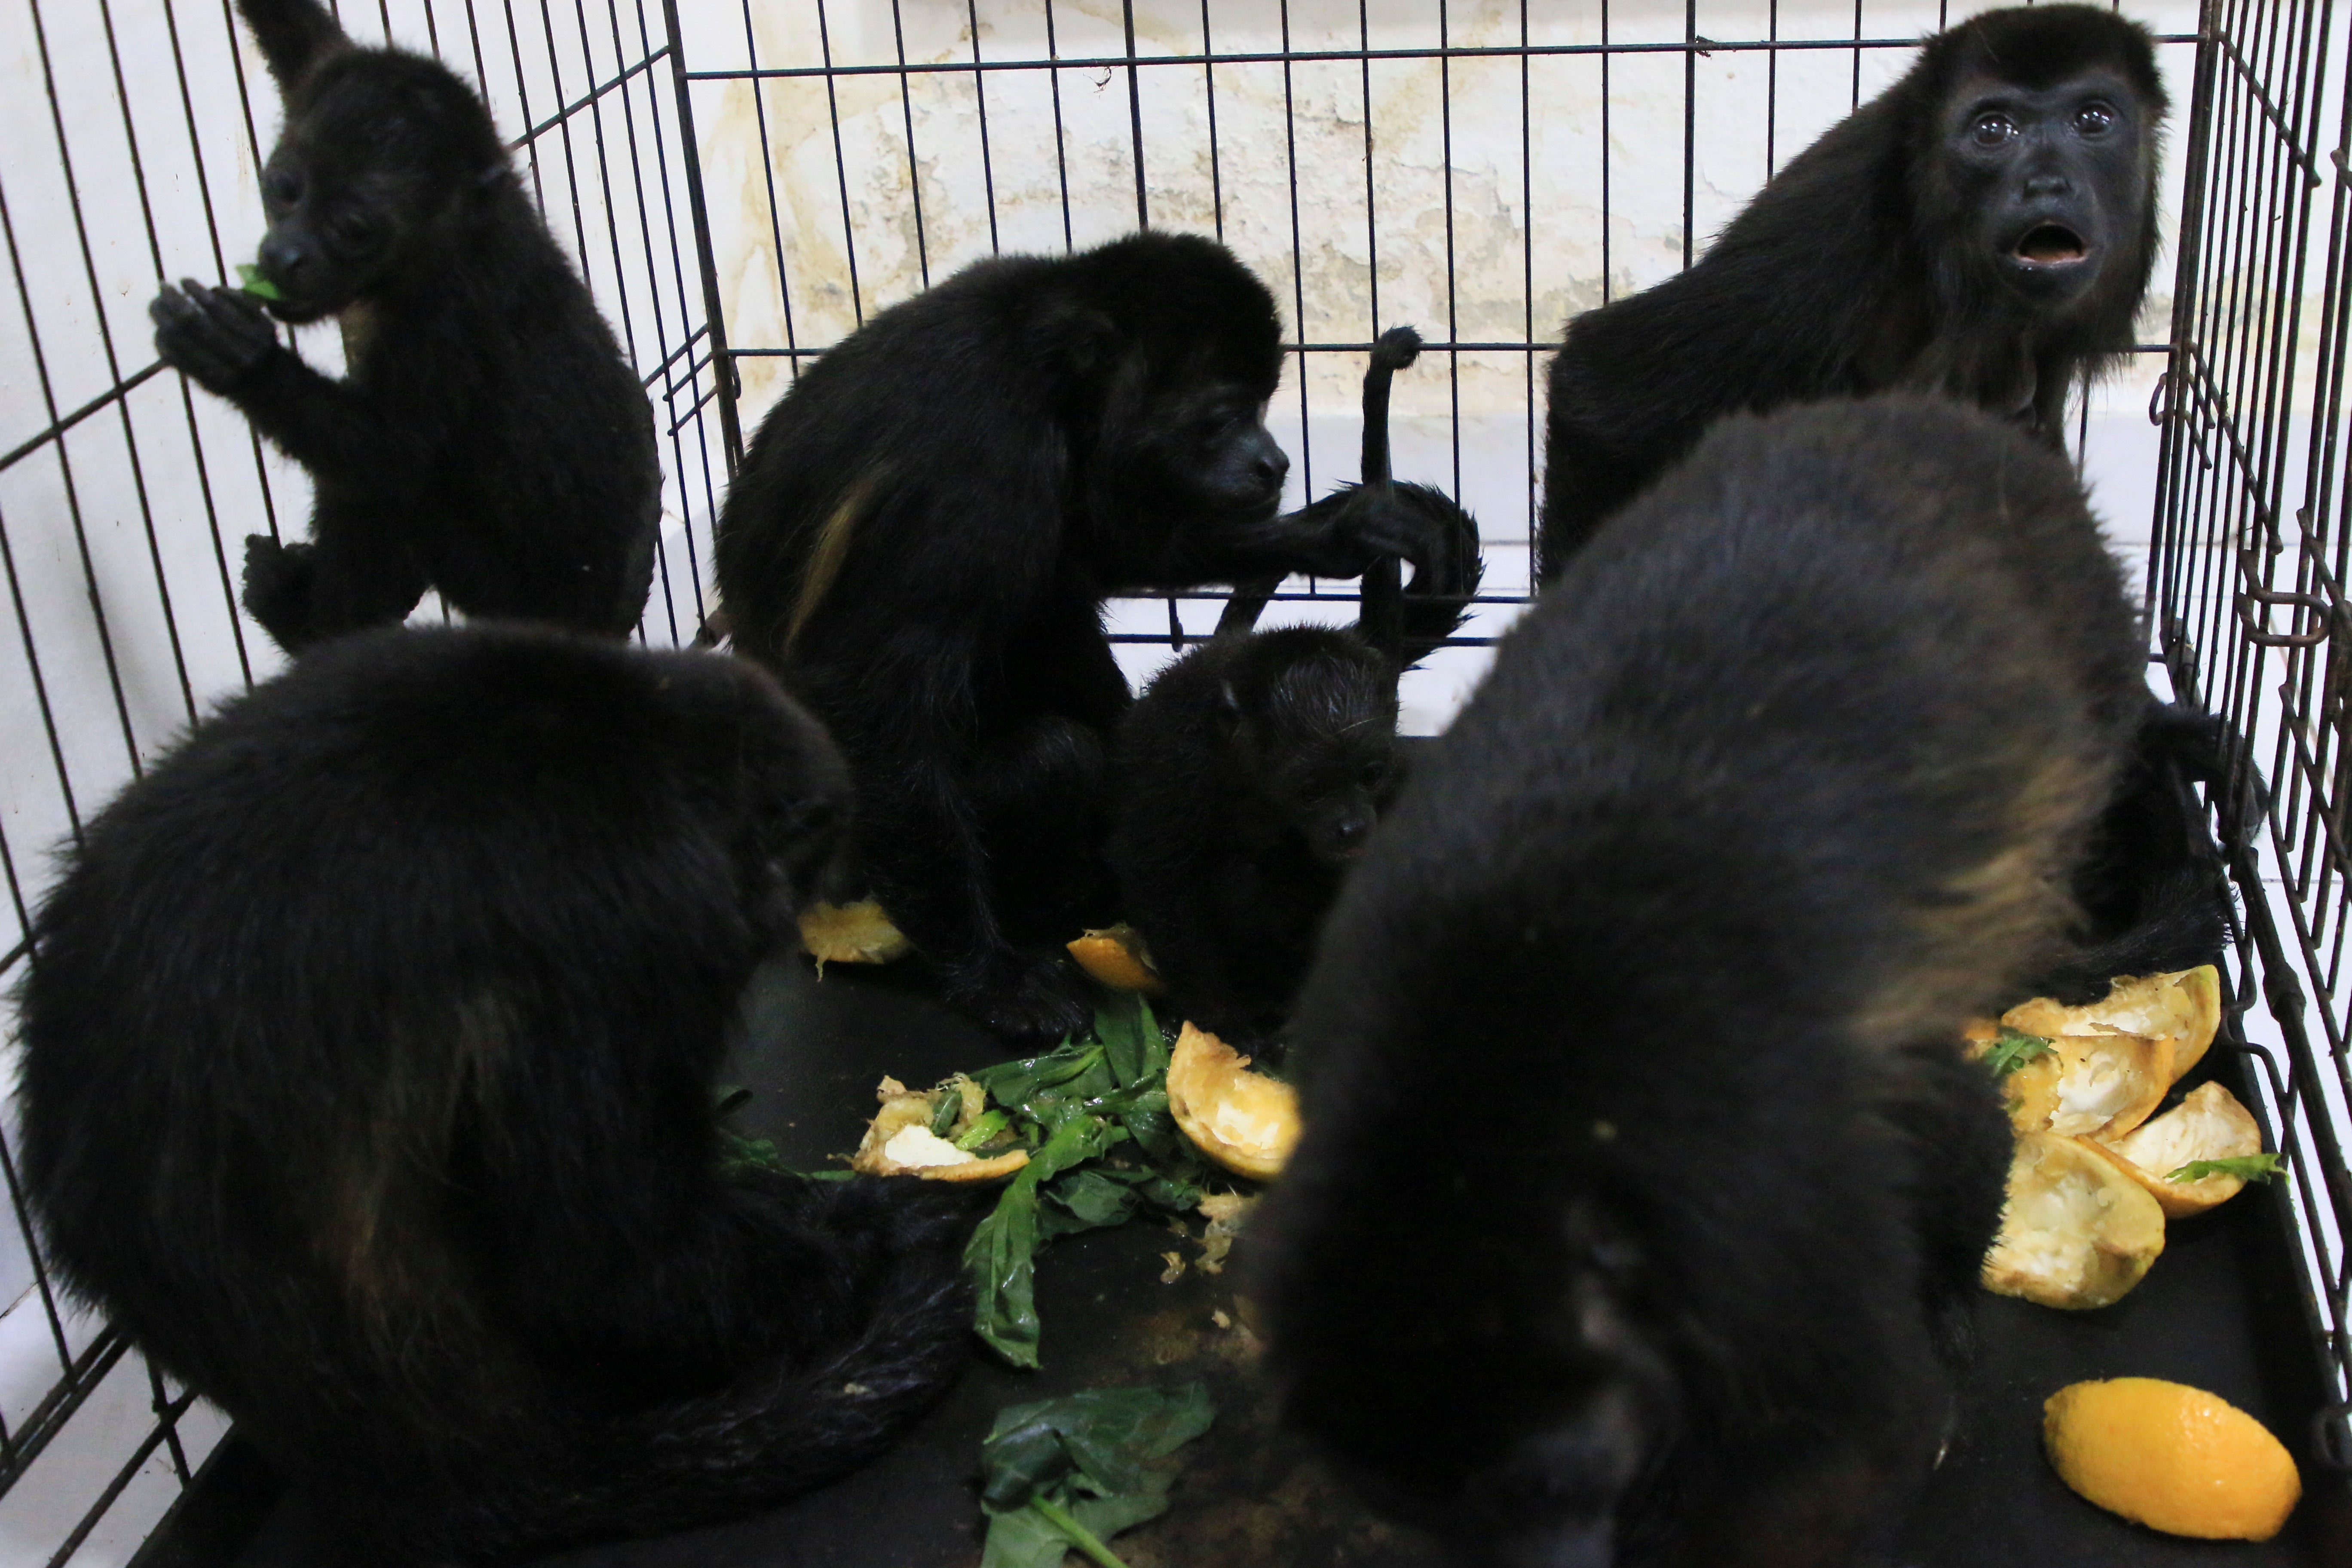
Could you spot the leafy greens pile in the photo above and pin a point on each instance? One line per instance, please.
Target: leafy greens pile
(1064, 1474)
(1071, 1108)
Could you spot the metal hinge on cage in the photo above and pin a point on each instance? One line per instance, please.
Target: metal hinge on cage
(2252, 599)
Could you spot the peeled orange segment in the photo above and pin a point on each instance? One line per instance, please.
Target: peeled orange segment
(1115, 956)
(851, 934)
(2088, 1084)
(1245, 1121)
(899, 1141)
(2208, 1124)
(2077, 1232)
(2171, 1456)
(2182, 1010)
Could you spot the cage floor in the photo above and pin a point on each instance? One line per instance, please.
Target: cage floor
(2216, 1311)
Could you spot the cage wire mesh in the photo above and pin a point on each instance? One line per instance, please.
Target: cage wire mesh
(744, 182)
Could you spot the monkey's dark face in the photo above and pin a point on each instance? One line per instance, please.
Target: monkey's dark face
(1210, 445)
(1518, 1402)
(1320, 743)
(2052, 180)
(370, 164)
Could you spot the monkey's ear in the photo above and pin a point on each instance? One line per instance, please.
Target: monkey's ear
(1229, 708)
(1077, 339)
(294, 35)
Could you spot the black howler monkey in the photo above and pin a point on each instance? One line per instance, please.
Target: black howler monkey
(1643, 1183)
(922, 535)
(489, 440)
(368, 1055)
(1253, 769)
(1983, 228)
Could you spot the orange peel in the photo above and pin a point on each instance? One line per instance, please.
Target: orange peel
(1245, 1120)
(1115, 956)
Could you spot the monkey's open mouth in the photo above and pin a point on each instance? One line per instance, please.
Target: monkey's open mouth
(2051, 244)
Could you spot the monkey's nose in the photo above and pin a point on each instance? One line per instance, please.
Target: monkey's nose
(285, 260)
(1271, 468)
(2039, 187)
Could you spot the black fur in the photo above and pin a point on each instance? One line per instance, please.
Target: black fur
(1884, 256)
(1253, 768)
(489, 440)
(369, 1046)
(1249, 776)
(2154, 894)
(921, 537)
(1642, 1180)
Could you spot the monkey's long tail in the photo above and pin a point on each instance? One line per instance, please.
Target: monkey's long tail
(1392, 352)
(787, 1428)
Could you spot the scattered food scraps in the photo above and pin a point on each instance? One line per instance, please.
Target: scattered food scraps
(851, 934)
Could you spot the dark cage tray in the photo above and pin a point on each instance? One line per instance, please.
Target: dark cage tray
(2219, 1310)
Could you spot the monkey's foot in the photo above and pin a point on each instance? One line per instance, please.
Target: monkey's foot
(1028, 1001)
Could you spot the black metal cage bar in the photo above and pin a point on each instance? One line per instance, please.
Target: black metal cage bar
(2245, 587)
(746, 181)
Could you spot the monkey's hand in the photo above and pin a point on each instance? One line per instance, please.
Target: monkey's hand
(1027, 1000)
(277, 587)
(215, 337)
(1354, 526)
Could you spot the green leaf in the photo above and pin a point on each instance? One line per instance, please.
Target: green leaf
(1107, 1516)
(251, 281)
(2246, 1168)
(1024, 1538)
(2011, 1049)
(1112, 1433)
(989, 1127)
(1014, 1082)
(944, 1114)
(1084, 1540)
(1002, 1253)
(1090, 1200)
(1107, 1438)
(738, 1154)
(1132, 1039)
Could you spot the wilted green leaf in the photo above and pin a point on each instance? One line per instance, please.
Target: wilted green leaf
(1024, 1538)
(1086, 1199)
(989, 1128)
(2011, 1049)
(1002, 1255)
(944, 1114)
(2264, 1167)
(251, 281)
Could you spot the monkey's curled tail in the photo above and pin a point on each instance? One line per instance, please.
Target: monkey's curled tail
(787, 1426)
(1436, 603)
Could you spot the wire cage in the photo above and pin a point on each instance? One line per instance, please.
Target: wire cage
(744, 182)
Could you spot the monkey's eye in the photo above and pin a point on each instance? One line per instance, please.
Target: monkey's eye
(281, 186)
(1374, 773)
(351, 230)
(2095, 119)
(1992, 130)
